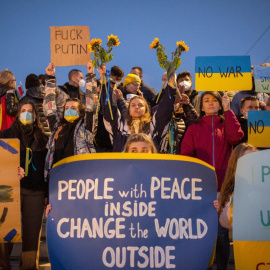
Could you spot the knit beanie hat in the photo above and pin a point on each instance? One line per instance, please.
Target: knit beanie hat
(131, 78)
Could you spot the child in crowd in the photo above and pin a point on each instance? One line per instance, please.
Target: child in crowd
(139, 143)
(227, 189)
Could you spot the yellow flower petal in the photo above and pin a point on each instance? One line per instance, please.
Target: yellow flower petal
(94, 43)
(154, 43)
(182, 45)
(114, 40)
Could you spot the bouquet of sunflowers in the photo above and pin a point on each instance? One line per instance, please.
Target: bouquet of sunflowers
(102, 56)
(164, 63)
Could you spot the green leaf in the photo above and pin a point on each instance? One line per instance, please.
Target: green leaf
(94, 63)
(177, 62)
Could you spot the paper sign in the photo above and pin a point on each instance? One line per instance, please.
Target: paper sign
(69, 45)
(10, 214)
(251, 211)
(131, 211)
(262, 78)
(259, 128)
(223, 73)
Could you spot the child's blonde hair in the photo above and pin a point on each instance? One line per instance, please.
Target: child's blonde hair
(140, 137)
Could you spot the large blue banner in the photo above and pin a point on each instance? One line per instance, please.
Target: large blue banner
(131, 211)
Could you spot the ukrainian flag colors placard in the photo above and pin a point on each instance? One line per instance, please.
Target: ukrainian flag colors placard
(10, 214)
(259, 128)
(223, 73)
(251, 211)
(262, 78)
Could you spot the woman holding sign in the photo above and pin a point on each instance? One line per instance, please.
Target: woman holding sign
(28, 129)
(211, 139)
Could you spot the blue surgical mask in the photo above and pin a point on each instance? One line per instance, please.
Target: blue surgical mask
(27, 118)
(71, 115)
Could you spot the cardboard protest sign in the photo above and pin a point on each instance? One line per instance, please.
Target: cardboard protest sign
(259, 128)
(10, 214)
(262, 78)
(131, 211)
(69, 45)
(251, 211)
(223, 73)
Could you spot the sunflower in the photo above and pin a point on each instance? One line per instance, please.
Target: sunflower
(94, 44)
(154, 43)
(182, 46)
(114, 40)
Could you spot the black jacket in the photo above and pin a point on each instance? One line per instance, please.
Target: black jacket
(244, 125)
(73, 92)
(35, 178)
(34, 94)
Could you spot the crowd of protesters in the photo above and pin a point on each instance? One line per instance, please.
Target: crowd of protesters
(54, 122)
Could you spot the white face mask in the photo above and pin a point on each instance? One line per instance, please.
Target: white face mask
(186, 84)
(82, 83)
(118, 83)
(245, 114)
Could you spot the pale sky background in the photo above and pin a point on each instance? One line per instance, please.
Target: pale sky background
(209, 28)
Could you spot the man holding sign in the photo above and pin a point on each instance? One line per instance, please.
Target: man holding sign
(69, 47)
(248, 103)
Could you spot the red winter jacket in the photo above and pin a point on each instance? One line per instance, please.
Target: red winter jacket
(212, 140)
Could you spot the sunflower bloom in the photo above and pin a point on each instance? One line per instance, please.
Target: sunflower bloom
(114, 40)
(182, 46)
(154, 43)
(94, 43)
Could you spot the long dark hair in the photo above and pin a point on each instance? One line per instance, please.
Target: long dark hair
(216, 95)
(36, 129)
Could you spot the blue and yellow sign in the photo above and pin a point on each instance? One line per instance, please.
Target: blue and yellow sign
(10, 214)
(131, 211)
(259, 128)
(251, 212)
(262, 78)
(223, 73)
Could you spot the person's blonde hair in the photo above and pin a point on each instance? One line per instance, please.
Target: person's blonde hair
(227, 188)
(145, 119)
(6, 77)
(139, 137)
